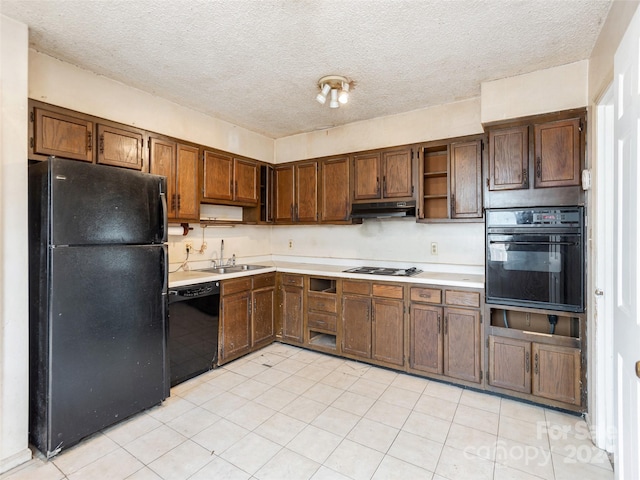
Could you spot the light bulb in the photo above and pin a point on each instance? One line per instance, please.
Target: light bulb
(343, 97)
(334, 99)
(322, 96)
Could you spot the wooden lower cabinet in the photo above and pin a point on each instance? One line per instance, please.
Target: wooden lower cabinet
(373, 326)
(462, 344)
(291, 308)
(425, 338)
(544, 370)
(247, 318)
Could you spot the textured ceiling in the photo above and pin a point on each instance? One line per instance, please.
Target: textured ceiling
(256, 63)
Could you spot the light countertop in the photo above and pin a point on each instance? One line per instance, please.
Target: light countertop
(470, 280)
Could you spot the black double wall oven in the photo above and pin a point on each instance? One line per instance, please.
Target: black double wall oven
(535, 258)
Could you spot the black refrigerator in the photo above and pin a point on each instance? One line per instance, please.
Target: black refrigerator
(97, 294)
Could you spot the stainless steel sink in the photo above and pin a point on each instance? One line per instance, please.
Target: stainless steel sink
(232, 269)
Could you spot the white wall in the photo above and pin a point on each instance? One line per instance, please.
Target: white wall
(14, 314)
(60, 83)
(433, 123)
(554, 89)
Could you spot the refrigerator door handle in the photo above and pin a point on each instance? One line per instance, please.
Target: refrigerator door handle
(163, 200)
(164, 268)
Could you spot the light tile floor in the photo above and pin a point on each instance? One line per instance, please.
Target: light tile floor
(288, 413)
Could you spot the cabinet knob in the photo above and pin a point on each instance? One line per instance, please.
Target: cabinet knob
(538, 167)
(599, 292)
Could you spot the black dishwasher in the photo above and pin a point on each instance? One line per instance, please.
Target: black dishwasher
(193, 330)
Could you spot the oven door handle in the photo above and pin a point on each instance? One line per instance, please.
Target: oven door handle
(504, 242)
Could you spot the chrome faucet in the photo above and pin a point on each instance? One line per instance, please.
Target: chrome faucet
(220, 262)
(222, 253)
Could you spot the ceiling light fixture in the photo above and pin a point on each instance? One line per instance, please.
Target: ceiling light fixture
(336, 87)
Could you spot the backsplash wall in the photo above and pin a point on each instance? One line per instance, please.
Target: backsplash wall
(393, 240)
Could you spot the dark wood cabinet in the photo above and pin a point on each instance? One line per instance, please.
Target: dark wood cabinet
(61, 135)
(356, 326)
(291, 308)
(296, 187)
(509, 158)
(462, 344)
(385, 174)
(527, 361)
(451, 186)
(334, 190)
(227, 179)
(263, 310)
(373, 321)
(537, 161)
(557, 153)
(235, 319)
(120, 147)
(179, 163)
(445, 333)
(321, 332)
(425, 338)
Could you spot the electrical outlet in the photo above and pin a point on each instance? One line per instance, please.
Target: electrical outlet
(290, 244)
(188, 246)
(434, 248)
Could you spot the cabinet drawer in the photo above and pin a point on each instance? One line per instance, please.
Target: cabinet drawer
(322, 321)
(464, 299)
(388, 291)
(264, 281)
(294, 280)
(360, 288)
(236, 285)
(429, 295)
(324, 303)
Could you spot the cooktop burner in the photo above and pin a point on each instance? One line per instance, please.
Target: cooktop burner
(398, 272)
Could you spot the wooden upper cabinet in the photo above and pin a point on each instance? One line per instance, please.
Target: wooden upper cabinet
(179, 163)
(509, 158)
(306, 192)
(366, 176)
(62, 135)
(120, 147)
(217, 176)
(466, 179)
(229, 179)
(245, 175)
(557, 153)
(284, 185)
(162, 162)
(334, 190)
(187, 182)
(397, 178)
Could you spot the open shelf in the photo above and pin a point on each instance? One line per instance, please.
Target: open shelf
(538, 323)
(435, 186)
(321, 339)
(323, 285)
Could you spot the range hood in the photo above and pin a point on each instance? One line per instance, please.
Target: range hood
(383, 209)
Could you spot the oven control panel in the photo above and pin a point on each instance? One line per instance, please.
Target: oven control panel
(559, 217)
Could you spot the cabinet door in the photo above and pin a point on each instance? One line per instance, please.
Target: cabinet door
(120, 148)
(187, 183)
(556, 373)
(263, 318)
(217, 183)
(557, 153)
(62, 135)
(509, 158)
(388, 331)
(162, 161)
(235, 325)
(510, 364)
(245, 174)
(356, 325)
(334, 190)
(425, 350)
(291, 311)
(462, 344)
(366, 176)
(466, 179)
(306, 192)
(284, 193)
(396, 180)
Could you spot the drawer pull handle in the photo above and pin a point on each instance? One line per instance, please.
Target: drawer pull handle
(526, 362)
